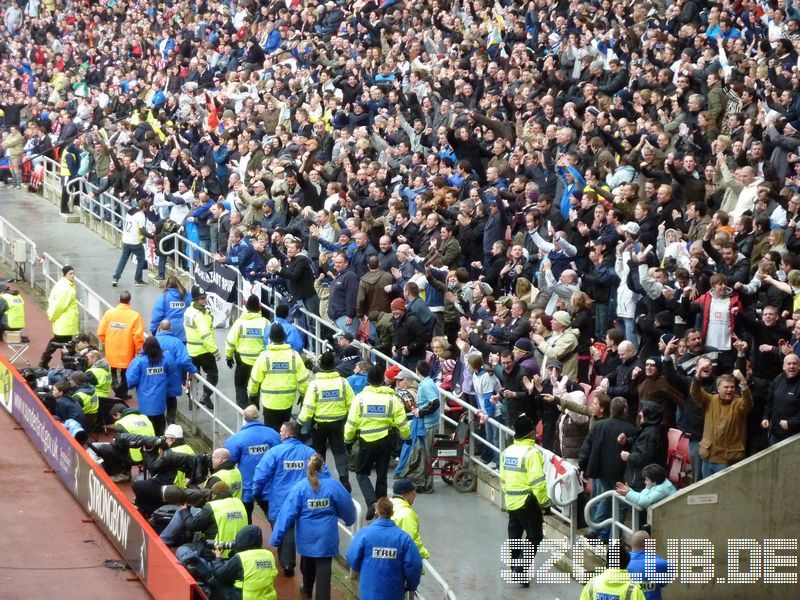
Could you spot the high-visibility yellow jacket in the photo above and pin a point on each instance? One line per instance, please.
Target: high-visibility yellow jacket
(280, 374)
(14, 314)
(137, 424)
(246, 337)
(230, 516)
(405, 517)
(198, 322)
(62, 308)
(328, 398)
(258, 575)
(522, 474)
(373, 413)
(612, 584)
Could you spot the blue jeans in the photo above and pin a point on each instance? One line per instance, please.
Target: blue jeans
(630, 332)
(351, 329)
(129, 250)
(602, 510)
(710, 468)
(600, 320)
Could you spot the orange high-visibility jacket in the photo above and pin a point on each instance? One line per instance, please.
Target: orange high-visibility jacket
(122, 332)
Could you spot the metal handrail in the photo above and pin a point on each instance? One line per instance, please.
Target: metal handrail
(448, 593)
(613, 520)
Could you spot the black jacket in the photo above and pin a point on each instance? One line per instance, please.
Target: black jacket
(600, 454)
(410, 332)
(783, 403)
(299, 274)
(649, 446)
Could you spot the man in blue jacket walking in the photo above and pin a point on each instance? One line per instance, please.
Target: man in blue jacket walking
(386, 558)
(643, 565)
(247, 447)
(276, 473)
(176, 349)
(293, 336)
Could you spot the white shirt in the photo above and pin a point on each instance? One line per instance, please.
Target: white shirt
(719, 324)
(131, 226)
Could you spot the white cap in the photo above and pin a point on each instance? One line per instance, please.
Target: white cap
(174, 431)
(632, 228)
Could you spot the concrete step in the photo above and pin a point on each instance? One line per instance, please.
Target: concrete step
(71, 217)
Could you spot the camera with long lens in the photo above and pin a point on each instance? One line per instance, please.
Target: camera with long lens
(202, 468)
(218, 544)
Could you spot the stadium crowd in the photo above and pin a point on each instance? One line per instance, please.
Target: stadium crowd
(544, 202)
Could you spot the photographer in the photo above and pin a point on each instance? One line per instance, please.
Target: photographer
(224, 469)
(66, 406)
(98, 373)
(218, 521)
(86, 394)
(250, 570)
(170, 466)
(119, 455)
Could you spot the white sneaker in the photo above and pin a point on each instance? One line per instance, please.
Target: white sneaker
(492, 465)
(114, 282)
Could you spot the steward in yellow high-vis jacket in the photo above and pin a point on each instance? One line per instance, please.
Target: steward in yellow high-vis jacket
(525, 490)
(198, 323)
(280, 374)
(62, 310)
(325, 409)
(374, 416)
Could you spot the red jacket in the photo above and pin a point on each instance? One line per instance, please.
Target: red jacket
(704, 303)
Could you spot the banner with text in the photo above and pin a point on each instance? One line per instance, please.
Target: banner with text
(219, 281)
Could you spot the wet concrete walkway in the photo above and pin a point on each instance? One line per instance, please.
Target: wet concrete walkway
(464, 532)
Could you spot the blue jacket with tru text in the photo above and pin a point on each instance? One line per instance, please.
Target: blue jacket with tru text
(278, 471)
(170, 306)
(151, 382)
(247, 448)
(315, 517)
(386, 559)
(170, 344)
(642, 566)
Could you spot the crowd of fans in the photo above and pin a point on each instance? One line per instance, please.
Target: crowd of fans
(541, 195)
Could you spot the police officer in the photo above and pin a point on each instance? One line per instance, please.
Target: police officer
(250, 573)
(276, 474)
(404, 515)
(118, 457)
(325, 406)
(373, 416)
(168, 467)
(614, 583)
(524, 489)
(385, 557)
(244, 344)
(221, 519)
(198, 323)
(12, 309)
(224, 469)
(98, 373)
(247, 447)
(86, 394)
(280, 374)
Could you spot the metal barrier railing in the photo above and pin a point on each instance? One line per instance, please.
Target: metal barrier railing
(616, 523)
(18, 251)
